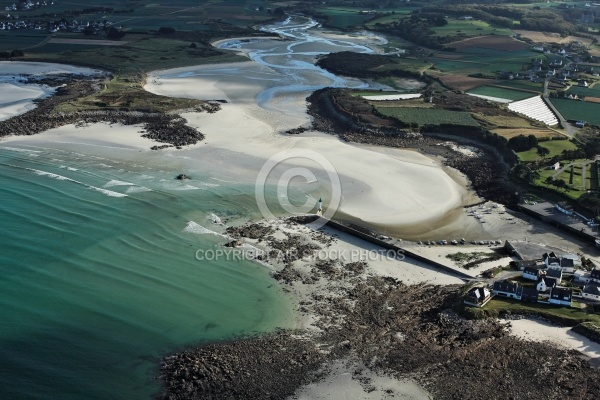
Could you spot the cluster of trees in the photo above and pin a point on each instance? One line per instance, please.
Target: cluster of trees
(591, 201)
(525, 173)
(5, 55)
(557, 183)
(414, 29)
(547, 20)
(497, 16)
(166, 30)
(362, 65)
(522, 143)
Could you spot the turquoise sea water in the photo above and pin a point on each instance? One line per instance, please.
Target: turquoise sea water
(98, 277)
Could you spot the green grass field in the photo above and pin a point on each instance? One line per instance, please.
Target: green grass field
(428, 116)
(478, 60)
(555, 146)
(344, 17)
(469, 28)
(407, 64)
(386, 19)
(21, 40)
(578, 110)
(457, 65)
(585, 91)
(524, 85)
(501, 93)
(502, 304)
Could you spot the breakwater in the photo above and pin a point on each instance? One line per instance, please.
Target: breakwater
(364, 234)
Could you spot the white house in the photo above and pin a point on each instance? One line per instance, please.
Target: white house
(561, 296)
(581, 276)
(531, 273)
(545, 283)
(562, 263)
(551, 260)
(591, 292)
(507, 289)
(478, 297)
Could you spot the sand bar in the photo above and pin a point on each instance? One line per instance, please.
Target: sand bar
(388, 187)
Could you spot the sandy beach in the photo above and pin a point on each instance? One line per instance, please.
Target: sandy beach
(563, 337)
(400, 190)
(17, 96)
(390, 187)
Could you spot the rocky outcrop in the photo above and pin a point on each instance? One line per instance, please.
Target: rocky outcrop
(267, 367)
(162, 127)
(404, 331)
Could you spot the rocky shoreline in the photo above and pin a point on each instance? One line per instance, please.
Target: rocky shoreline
(167, 128)
(378, 323)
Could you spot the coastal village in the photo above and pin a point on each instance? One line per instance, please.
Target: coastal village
(552, 279)
(11, 19)
(449, 292)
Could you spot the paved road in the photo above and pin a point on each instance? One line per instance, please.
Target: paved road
(569, 129)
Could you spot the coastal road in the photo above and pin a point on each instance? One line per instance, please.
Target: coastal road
(569, 129)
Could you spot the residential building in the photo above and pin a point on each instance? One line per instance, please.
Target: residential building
(563, 263)
(522, 264)
(545, 283)
(576, 259)
(507, 289)
(555, 273)
(550, 259)
(581, 276)
(531, 273)
(529, 294)
(591, 292)
(556, 63)
(595, 275)
(561, 296)
(478, 296)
